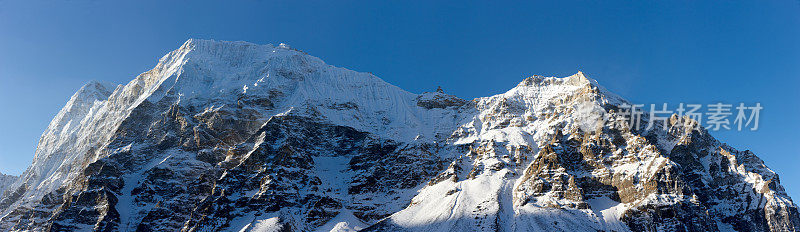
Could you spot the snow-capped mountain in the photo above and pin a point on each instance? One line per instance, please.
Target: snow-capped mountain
(234, 136)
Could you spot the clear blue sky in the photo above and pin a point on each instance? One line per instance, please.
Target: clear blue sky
(646, 51)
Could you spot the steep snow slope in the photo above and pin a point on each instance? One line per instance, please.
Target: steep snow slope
(234, 136)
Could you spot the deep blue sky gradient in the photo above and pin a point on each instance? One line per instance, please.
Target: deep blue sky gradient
(646, 51)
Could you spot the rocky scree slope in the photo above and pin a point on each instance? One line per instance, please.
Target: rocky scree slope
(234, 136)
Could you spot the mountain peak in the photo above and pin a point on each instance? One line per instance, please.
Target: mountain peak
(194, 42)
(580, 78)
(576, 79)
(210, 45)
(97, 86)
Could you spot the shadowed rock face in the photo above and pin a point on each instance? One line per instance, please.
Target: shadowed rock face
(224, 136)
(431, 100)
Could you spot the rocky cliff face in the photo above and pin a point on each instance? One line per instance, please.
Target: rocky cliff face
(233, 136)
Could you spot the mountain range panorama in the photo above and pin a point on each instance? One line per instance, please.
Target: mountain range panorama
(235, 136)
